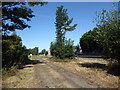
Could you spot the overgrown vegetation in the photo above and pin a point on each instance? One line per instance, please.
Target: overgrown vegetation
(13, 52)
(62, 48)
(33, 51)
(106, 37)
(14, 17)
(8, 72)
(44, 52)
(89, 43)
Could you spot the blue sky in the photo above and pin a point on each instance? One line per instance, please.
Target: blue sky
(42, 31)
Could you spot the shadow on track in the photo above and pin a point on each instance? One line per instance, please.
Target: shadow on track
(33, 62)
(110, 70)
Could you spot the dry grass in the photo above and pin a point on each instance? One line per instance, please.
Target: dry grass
(21, 79)
(94, 69)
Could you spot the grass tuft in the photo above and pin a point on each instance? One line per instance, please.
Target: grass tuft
(54, 59)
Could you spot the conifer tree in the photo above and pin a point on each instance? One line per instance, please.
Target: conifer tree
(62, 26)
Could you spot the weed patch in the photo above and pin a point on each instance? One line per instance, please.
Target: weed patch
(8, 72)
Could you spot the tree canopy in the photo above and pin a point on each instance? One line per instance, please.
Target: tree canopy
(33, 51)
(44, 52)
(88, 42)
(16, 14)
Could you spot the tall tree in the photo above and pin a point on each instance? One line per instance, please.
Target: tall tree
(62, 26)
(63, 23)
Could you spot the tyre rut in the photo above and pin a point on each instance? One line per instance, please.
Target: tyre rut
(73, 80)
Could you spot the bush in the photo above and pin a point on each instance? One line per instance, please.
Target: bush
(89, 42)
(63, 51)
(13, 51)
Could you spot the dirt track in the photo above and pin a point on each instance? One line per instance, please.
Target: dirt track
(52, 76)
(41, 72)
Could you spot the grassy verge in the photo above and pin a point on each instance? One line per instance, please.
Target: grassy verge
(62, 61)
(18, 79)
(8, 72)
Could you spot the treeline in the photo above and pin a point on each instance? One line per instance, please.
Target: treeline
(104, 39)
(33, 51)
(44, 52)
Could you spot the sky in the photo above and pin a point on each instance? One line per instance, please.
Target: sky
(42, 31)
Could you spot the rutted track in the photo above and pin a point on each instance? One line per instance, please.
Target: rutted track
(52, 76)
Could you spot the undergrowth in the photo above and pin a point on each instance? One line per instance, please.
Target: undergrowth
(8, 72)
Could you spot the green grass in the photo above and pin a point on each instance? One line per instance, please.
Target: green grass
(61, 60)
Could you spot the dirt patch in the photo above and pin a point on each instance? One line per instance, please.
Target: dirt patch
(46, 77)
(93, 69)
(52, 76)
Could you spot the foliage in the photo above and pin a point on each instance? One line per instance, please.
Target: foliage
(62, 48)
(15, 15)
(68, 50)
(76, 49)
(88, 42)
(110, 40)
(44, 52)
(33, 51)
(13, 52)
(62, 53)
(107, 35)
